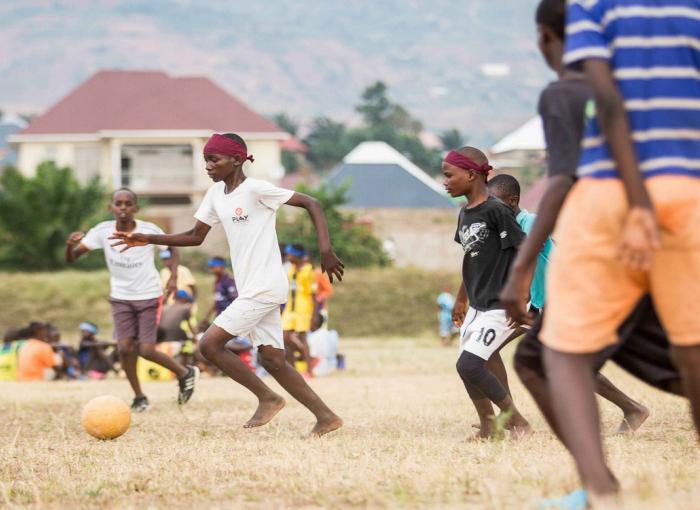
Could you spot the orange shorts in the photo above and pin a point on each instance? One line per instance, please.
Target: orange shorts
(590, 293)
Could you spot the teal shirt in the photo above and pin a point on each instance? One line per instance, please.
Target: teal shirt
(537, 289)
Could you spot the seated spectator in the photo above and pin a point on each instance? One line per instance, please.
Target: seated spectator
(323, 346)
(243, 348)
(174, 316)
(92, 353)
(8, 354)
(36, 359)
(69, 368)
(185, 279)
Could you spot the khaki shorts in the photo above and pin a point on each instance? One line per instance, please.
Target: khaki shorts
(136, 319)
(590, 293)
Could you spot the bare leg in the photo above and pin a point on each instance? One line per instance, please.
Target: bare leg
(634, 413)
(484, 410)
(687, 359)
(273, 360)
(213, 348)
(150, 352)
(128, 356)
(573, 401)
(539, 389)
(291, 346)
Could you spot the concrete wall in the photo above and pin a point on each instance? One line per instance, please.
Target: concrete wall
(421, 237)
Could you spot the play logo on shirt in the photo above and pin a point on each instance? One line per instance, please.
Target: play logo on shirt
(239, 216)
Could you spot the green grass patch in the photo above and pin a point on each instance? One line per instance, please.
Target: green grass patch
(369, 302)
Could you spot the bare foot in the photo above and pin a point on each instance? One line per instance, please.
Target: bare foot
(483, 433)
(520, 432)
(518, 426)
(325, 425)
(633, 420)
(267, 409)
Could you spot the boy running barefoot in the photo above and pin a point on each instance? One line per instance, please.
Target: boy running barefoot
(246, 209)
(638, 170)
(507, 189)
(489, 237)
(136, 296)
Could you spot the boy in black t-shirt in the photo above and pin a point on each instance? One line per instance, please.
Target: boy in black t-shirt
(489, 236)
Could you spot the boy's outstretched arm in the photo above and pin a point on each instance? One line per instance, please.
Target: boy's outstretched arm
(193, 237)
(75, 250)
(330, 263)
(640, 234)
(517, 288)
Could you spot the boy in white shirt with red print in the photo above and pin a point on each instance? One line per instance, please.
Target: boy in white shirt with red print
(246, 209)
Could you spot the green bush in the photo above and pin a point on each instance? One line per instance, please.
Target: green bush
(352, 242)
(37, 214)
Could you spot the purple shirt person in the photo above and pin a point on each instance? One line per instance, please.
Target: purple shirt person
(225, 291)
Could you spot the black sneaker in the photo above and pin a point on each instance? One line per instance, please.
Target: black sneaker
(140, 404)
(187, 385)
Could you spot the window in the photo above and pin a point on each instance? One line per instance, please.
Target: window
(87, 162)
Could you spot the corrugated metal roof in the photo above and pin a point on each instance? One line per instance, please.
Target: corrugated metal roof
(386, 185)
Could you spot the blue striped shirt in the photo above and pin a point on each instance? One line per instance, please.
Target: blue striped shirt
(653, 47)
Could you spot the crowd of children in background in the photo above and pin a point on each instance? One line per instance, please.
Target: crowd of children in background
(35, 352)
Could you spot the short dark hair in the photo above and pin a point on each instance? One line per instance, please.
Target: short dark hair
(552, 14)
(236, 138)
(127, 190)
(474, 154)
(299, 247)
(33, 328)
(219, 259)
(506, 184)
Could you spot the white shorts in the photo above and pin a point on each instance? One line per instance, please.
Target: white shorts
(483, 333)
(258, 321)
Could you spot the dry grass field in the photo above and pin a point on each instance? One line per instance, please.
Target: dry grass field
(403, 446)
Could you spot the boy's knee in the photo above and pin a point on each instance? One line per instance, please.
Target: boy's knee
(146, 350)
(470, 367)
(272, 361)
(207, 348)
(127, 346)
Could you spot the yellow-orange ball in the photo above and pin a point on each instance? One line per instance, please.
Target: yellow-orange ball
(106, 417)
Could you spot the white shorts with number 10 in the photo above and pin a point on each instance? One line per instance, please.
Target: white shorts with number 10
(483, 333)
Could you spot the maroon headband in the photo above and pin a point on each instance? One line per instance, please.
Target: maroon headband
(462, 161)
(223, 145)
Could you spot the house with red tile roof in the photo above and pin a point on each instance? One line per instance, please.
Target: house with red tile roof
(146, 130)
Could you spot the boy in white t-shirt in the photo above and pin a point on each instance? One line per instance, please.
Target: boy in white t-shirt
(136, 295)
(246, 209)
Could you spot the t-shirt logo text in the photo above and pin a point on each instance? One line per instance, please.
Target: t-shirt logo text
(239, 216)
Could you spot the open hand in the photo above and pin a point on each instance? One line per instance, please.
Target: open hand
(459, 312)
(128, 240)
(75, 238)
(332, 265)
(514, 296)
(640, 237)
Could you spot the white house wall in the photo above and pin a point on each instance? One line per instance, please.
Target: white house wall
(30, 154)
